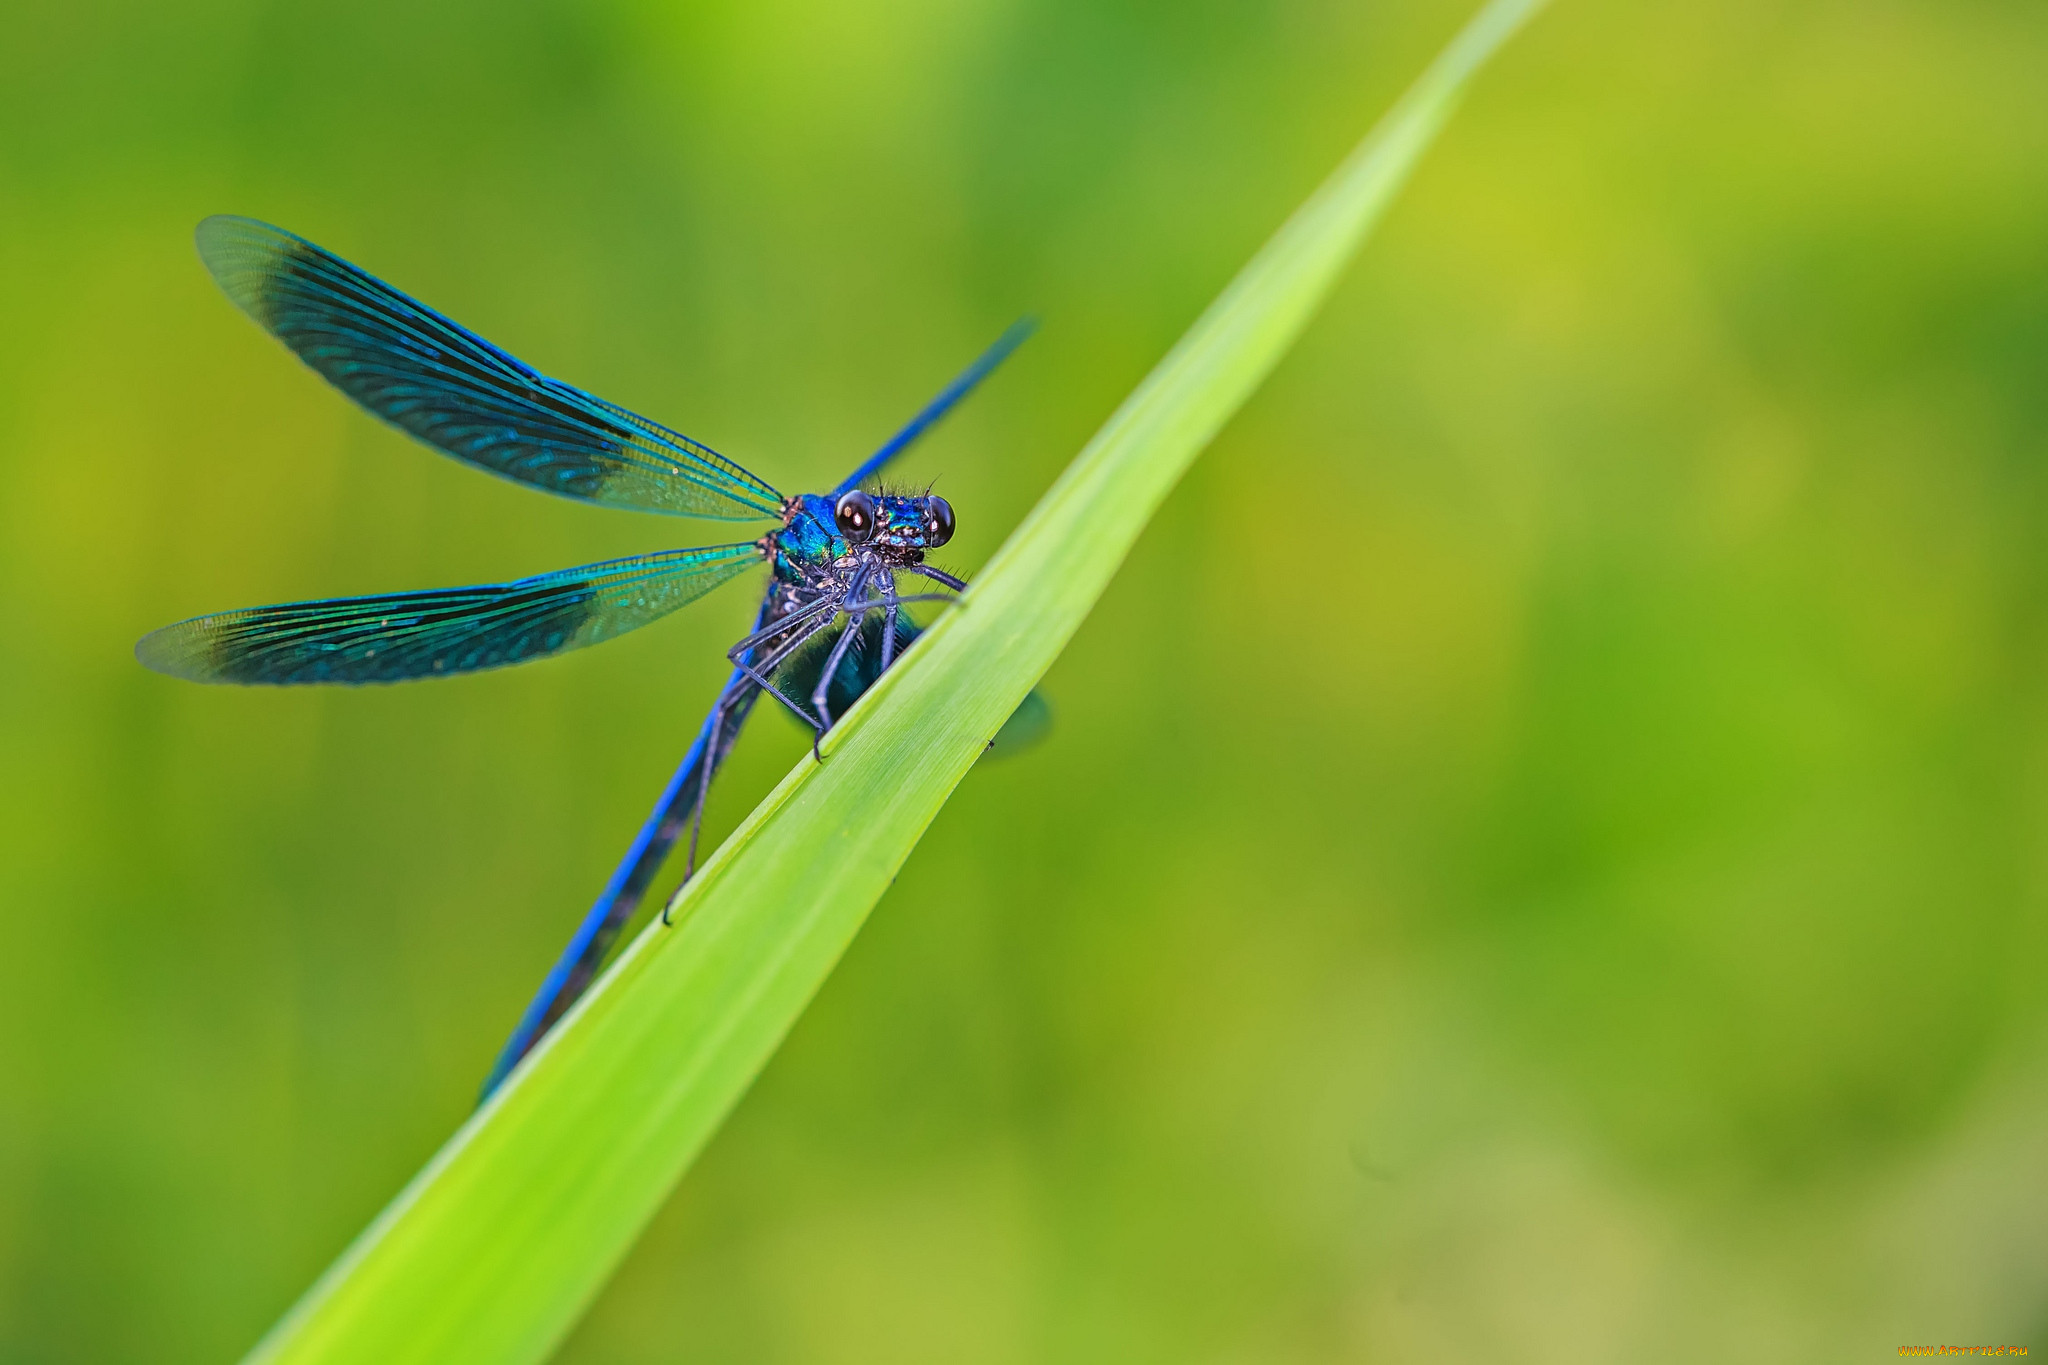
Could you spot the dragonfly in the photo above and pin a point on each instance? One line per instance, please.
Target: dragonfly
(843, 565)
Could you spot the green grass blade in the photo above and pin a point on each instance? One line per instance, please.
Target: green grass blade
(496, 1247)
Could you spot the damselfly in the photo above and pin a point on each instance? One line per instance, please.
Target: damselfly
(830, 621)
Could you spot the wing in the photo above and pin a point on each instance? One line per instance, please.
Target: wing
(962, 385)
(402, 635)
(460, 394)
(1026, 726)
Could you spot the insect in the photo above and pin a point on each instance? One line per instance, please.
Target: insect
(830, 621)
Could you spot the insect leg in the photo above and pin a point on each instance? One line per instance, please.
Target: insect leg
(769, 632)
(744, 701)
(937, 575)
(577, 966)
(726, 701)
(856, 617)
(894, 600)
(741, 656)
(820, 695)
(760, 672)
(889, 621)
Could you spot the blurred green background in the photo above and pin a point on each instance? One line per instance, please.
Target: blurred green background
(1542, 857)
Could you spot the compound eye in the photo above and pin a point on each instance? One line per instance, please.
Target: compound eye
(856, 516)
(938, 521)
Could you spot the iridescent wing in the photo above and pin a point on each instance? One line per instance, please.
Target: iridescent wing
(1027, 725)
(962, 385)
(460, 394)
(402, 635)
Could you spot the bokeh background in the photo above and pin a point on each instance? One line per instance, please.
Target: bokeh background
(1544, 851)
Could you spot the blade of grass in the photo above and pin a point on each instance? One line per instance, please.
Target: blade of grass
(493, 1250)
